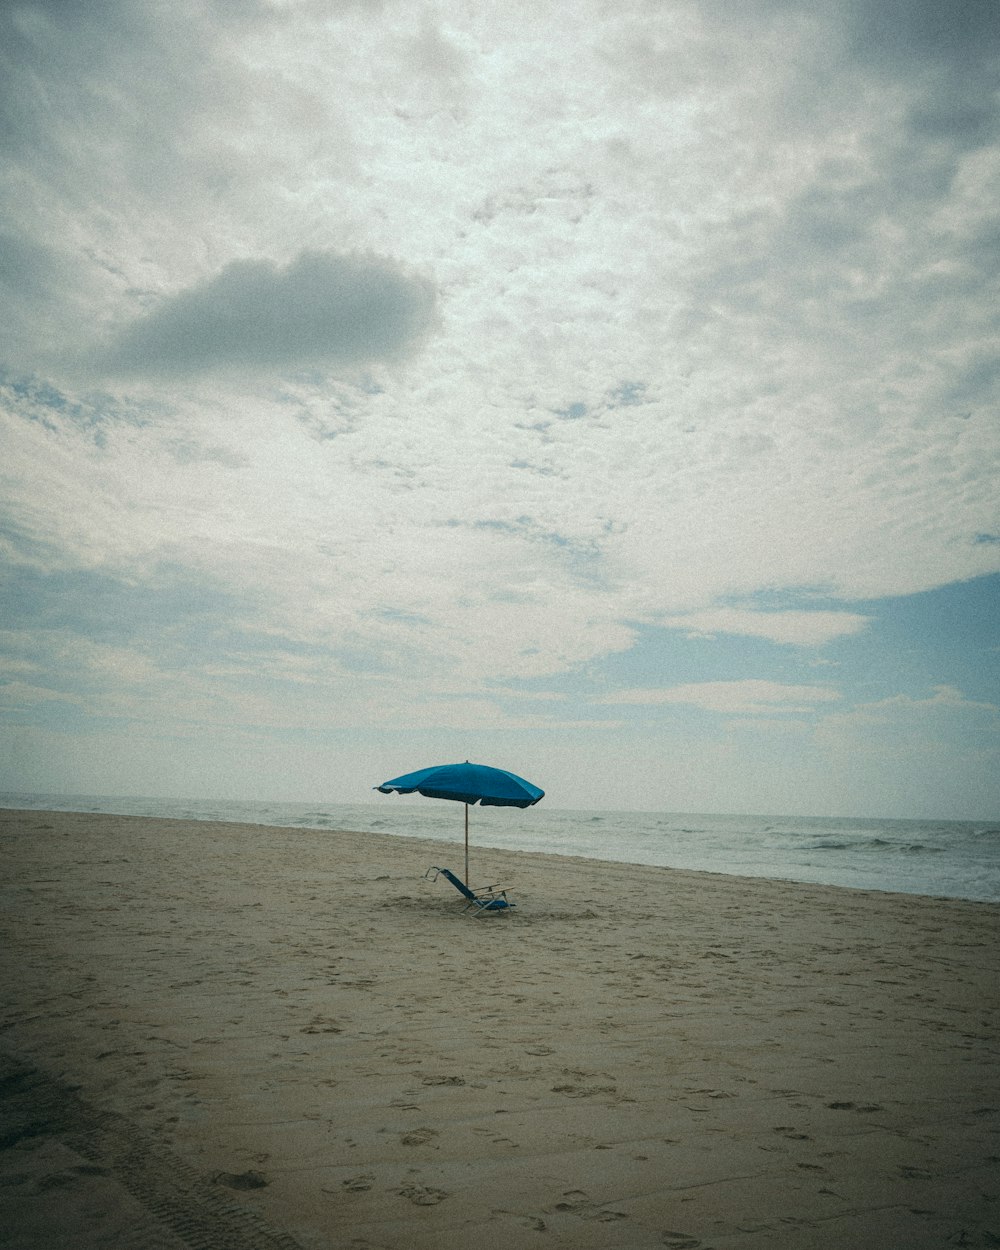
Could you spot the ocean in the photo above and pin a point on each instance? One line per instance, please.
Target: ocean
(943, 858)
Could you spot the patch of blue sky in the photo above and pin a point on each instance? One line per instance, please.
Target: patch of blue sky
(107, 609)
(34, 391)
(946, 636)
(35, 399)
(660, 658)
(627, 395)
(912, 645)
(47, 708)
(182, 624)
(663, 658)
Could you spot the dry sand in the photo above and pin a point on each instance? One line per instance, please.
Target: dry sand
(217, 1035)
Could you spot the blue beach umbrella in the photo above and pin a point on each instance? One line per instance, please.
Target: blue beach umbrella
(467, 783)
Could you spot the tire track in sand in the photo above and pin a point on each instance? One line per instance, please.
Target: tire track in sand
(180, 1199)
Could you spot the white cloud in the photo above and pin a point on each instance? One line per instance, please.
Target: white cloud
(713, 311)
(20, 694)
(939, 753)
(750, 697)
(901, 710)
(803, 629)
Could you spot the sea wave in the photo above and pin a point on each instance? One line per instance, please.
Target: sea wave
(863, 845)
(953, 859)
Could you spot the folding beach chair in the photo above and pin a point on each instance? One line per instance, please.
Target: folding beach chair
(486, 898)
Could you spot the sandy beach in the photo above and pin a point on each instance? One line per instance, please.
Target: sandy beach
(219, 1035)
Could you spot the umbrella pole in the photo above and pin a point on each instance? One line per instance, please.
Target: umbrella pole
(466, 844)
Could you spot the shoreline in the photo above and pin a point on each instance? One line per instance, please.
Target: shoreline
(965, 885)
(316, 1040)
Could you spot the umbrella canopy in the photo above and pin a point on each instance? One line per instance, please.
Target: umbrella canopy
(469, 784)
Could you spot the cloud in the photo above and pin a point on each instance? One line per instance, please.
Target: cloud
(19, 694)
(321, 309)
(801, 629)
(748, 697)
(716, 288)
(939, 752)
(903, 709)
(900, 35)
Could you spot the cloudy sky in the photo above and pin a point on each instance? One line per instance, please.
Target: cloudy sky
(603, 391)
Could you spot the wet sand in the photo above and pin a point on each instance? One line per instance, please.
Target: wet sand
(218, 1035)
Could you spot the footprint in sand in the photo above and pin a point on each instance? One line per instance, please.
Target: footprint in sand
(679, 1241)
(320, 1024)
(533, 1222)
(241, 1180)
(786, 1130)
(359, 1184)
(583, 1091)
(418, 1137)
(577, 1198)
(579, 1204)
(421, 1195)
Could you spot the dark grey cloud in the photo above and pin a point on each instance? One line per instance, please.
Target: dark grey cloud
(946, 49)
(902, 33)
(945, 56)
(123, 132)
(322, 309)
(106, 77)
(895, 34)
(101, 111)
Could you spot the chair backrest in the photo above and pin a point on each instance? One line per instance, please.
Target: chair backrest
(457, 882)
